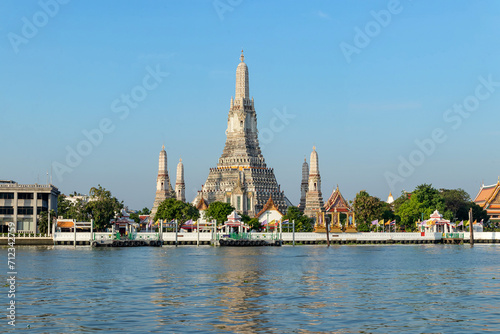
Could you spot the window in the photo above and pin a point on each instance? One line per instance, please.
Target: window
(25, 210)
(41, 196)
(6, 210)
(249, 204)
(41, 209)
(25, 195)
(6, 195)
(238, 203)
(228, 200)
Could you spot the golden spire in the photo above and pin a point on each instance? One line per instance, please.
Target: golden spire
(242, 57)
(163, 147)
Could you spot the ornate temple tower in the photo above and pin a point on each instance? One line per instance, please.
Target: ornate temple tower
(241, 176)
(180, 187)
(304, 185)
(163, 187)
(314, 198)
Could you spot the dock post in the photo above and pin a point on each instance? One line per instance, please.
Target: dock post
(198, 231)
(327, 234)
(74, 232)
(281, 232)
(91, 231)
(471, 228)
(293, 232)
(176, 233)
(161, 232)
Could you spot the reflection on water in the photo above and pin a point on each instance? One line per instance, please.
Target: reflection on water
(306, 289)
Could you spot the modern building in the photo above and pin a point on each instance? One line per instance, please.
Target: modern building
(23, 203)
(242, 177)
(488, 198)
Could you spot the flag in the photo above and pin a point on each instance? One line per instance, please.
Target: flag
(381, 222)
(461, 223)
(189, 222)
(264, 222)
(285, 221)
(375, 222)
(393, 222)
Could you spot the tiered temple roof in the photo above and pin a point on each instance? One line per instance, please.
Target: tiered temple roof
(337, 203)
(488, 198)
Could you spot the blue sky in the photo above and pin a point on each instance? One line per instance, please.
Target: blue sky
(364, 110)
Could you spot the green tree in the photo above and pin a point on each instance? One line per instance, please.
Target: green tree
(400, 200)
(457, 201)
(219, 211)
(424, 199)
(102, 207)
(145, 211)
(135, 215)
(368, 208)
(478, 213)
(69, 210)
(63, 206)
(43, 221)
(171, 209)
(254, 224)
(302, 222)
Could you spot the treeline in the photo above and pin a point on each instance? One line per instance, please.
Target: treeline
(408, 208)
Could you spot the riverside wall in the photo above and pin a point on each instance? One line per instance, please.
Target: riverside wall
(301, 238)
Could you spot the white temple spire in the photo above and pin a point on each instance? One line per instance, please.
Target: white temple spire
(180, 187)
(242, 88)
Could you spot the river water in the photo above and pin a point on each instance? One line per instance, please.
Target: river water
(303, 289)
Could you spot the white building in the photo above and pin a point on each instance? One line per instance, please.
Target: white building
(23, 203)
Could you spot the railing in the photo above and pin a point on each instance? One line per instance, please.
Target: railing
(26, 235)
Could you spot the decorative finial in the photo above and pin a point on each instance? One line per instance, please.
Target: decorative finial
(163, 147)
(242, 56)
(314, 148)
(180, 159)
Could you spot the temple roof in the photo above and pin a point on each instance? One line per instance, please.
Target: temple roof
(268, 206)
(202, 204)
(487, 193)
(337, 201)
(234, 216)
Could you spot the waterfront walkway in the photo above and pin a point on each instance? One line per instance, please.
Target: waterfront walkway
(300, 238)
